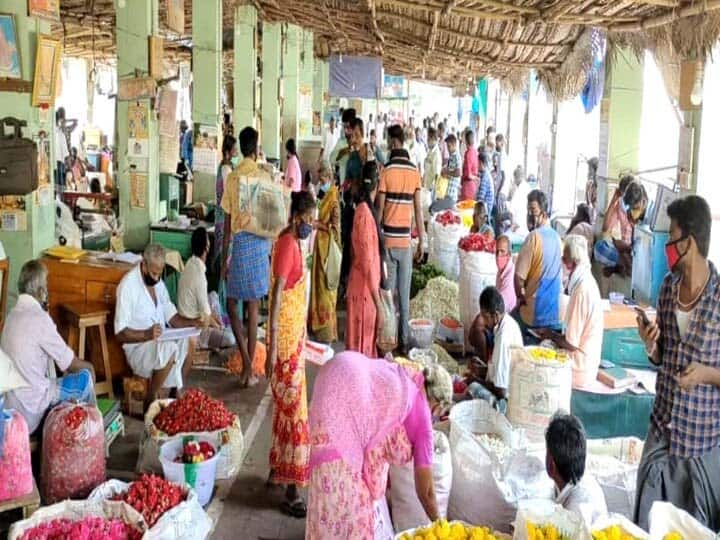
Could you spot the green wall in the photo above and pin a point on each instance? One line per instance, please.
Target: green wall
(40, 234)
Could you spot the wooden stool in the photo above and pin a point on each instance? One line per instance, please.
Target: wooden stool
(82, 316)
(29, 503)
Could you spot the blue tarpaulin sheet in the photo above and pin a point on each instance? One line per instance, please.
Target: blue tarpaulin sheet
(355, 77)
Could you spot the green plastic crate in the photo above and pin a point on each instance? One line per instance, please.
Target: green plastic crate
(624, 348)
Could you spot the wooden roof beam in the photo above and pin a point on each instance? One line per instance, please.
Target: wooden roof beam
(373, 21)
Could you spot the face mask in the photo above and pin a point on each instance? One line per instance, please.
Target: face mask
(672, 253)
(149, 280)
(235, 160)
(502, 261)
(304, 231)
(326, 186)
(637, 214)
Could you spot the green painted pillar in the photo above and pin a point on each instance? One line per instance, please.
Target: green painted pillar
(207, 76)
(291, 83)
(135, 22)
(22, 246)
(622, 113)
(245, 67)
(320, 87)
(306, 90)
(270, 108)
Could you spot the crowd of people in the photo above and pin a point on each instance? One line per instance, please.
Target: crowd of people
(359, 229)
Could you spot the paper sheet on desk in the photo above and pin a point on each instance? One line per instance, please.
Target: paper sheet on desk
(126, 257)
(171, 334)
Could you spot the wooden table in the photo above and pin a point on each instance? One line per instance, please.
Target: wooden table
(88, 280)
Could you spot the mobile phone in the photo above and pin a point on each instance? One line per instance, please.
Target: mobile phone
(643, 315)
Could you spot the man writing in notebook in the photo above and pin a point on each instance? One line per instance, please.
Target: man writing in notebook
(142, 312)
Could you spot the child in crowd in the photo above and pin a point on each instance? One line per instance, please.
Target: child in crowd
(565, 463)
(493, 334)
(453, 170)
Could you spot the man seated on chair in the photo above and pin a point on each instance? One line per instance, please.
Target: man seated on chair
(193, 301)
(30, 338)
(142, 313)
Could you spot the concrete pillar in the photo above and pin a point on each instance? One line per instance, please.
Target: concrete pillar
(40, 234)
(291, 83)
(135, 22)
(207, 75)
(620, 117)
(270, 103)
(320, 87)
(245, 67)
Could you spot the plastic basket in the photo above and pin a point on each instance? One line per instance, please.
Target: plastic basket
(421, 333)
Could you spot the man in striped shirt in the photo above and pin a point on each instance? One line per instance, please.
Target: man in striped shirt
(398, 201)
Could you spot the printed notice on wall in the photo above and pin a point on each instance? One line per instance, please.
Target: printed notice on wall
(138, 130)
(205, 151)
(168, 112)
(138, 190)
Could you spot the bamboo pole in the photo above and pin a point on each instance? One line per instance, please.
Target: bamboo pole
(661, 20)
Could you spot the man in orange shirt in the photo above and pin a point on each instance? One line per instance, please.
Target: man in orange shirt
(398, 201)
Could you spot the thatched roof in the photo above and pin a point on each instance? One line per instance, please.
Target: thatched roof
(451, 41)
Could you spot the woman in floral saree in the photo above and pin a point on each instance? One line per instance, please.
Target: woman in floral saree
(285, 367)
(366, 414)
(323, 318)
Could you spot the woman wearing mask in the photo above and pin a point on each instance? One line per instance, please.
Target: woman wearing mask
(285, 366)
(293, 174)
(391, 410)
(365, 274)
(228, 163)
(323, 319)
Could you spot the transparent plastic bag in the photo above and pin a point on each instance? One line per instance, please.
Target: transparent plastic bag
(387, 324)
(16, 479)
(264, 205)
(73, 452)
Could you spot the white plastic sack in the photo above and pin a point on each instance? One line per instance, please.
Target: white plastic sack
(186, 520)
(542, 513)
(615, 469)
(625, 524)
(230, 441)
(444, 251)
(666, 518)
(383, 524)
(503, 480)
(407, 511)
(477, 271)
(537, 391)
(77, 510)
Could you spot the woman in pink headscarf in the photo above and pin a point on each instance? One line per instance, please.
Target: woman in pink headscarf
(364, 415)
(504, 282)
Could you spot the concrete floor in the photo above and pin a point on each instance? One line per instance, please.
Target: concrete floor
(246, 504)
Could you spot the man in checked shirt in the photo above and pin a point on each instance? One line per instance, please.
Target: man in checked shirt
(681, 459)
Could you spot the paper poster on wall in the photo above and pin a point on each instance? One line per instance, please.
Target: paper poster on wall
(138, 189)
(138, 143)
(305, 112)
(205, 151)
(169, 152)
(167, 109)
(44, 195)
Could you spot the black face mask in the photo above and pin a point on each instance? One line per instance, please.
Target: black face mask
(149, 280)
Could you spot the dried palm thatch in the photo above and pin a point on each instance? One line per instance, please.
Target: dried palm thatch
(452, 41)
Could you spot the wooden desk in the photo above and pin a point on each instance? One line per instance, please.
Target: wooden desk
(89, 280)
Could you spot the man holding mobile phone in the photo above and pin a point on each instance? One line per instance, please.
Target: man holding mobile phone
(681, 459)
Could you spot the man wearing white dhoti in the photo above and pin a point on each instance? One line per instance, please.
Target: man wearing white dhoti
(142, 312)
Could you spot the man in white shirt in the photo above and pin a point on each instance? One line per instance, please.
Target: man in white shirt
(142, 312)
(518, 203)
(35, 347)
(503, 332)
(565, 442)
(330, 138)
(61, 146)
(193, 301)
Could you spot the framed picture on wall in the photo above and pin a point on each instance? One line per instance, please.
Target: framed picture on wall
(47, 70)
(45, 9)
(10, 66)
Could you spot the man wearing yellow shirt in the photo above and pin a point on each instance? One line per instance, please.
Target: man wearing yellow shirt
(248, 270)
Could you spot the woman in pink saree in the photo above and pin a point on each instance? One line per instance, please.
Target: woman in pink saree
(504, 282)
(364, 416)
